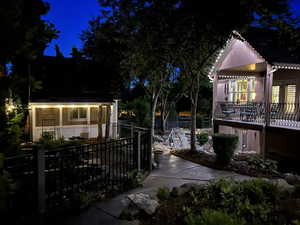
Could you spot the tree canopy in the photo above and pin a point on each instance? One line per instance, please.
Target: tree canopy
(24, 35)
(156, 37)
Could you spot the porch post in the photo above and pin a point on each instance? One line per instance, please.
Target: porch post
(215, 94)
(268, 95)
(267, 100)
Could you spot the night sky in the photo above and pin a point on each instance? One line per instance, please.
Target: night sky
(71, 17)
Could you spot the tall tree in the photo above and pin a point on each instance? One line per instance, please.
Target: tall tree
(140, 28)
(185, 34)
(23, 36)
(203, 30)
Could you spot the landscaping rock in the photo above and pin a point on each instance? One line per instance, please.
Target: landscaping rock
(133, 222)
(158, 138)
(160, 147)
(144, 202)
(282, 184)
(292, 178)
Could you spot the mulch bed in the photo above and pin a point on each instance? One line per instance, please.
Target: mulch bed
(237, 165)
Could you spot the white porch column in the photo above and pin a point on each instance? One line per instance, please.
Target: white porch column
(88, 117)
(61, 121)
(34, 138)
(115, 118)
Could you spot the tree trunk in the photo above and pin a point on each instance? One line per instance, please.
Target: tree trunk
(153, 110)
(154, 103)
(194, 105)
(163, 119)
(193, 127)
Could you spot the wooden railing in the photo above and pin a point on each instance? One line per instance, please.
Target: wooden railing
(280, 114)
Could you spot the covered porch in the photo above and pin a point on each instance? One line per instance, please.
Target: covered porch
(247, 89)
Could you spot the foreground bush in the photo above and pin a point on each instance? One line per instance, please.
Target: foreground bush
(255, 201)
(228, 202)
(213, 217)
(202, 138)
(224, 146)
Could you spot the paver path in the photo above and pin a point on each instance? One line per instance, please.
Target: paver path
(174, 171)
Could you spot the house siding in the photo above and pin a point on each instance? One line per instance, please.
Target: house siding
(47, 117)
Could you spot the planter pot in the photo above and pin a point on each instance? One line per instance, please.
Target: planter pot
(157, 156)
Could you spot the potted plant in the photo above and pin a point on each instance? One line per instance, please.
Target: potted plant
(157, 156)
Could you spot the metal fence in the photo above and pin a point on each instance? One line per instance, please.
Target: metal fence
(57, 175)
(246, 112)
(280, 114)
(205, 122)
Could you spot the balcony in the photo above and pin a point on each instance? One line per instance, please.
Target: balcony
(280, 114)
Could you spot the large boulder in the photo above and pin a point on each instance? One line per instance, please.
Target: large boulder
(281, 184)
(144, 202)
(292, 178)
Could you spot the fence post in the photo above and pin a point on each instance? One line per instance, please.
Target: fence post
(41, 184)
(139, 150)
(150, 146)
(131, 131)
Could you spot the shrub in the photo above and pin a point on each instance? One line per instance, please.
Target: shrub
(253, 200)
(213, 217)
(163, 193)
(224, 146)
(7, 187)
(202, 138)
(268, 166)
(199, 121)
(135, 179)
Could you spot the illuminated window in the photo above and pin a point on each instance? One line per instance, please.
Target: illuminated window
(290, 98)
(78, 114)
(242, 91)
(275, 94)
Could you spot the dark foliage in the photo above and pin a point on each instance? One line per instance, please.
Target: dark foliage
(224, 146)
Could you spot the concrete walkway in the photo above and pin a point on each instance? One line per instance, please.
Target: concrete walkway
(173, 172)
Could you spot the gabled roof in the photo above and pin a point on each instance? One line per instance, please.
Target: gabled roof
(265, 44)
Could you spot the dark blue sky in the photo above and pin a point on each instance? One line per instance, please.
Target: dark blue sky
(71, 17)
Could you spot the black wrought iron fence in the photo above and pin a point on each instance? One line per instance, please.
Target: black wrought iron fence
(247, 112)
(285, 114)
(56, 175)
(280, 114)
(87, 167)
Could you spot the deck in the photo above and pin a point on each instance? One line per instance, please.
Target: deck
(282, 115)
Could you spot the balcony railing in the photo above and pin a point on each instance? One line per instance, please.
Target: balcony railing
(280, 114)
(285, 114)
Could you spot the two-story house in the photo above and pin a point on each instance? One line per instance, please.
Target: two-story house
(256, 94)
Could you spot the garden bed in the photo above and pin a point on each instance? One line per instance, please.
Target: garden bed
(246, 164)
(226, 202)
